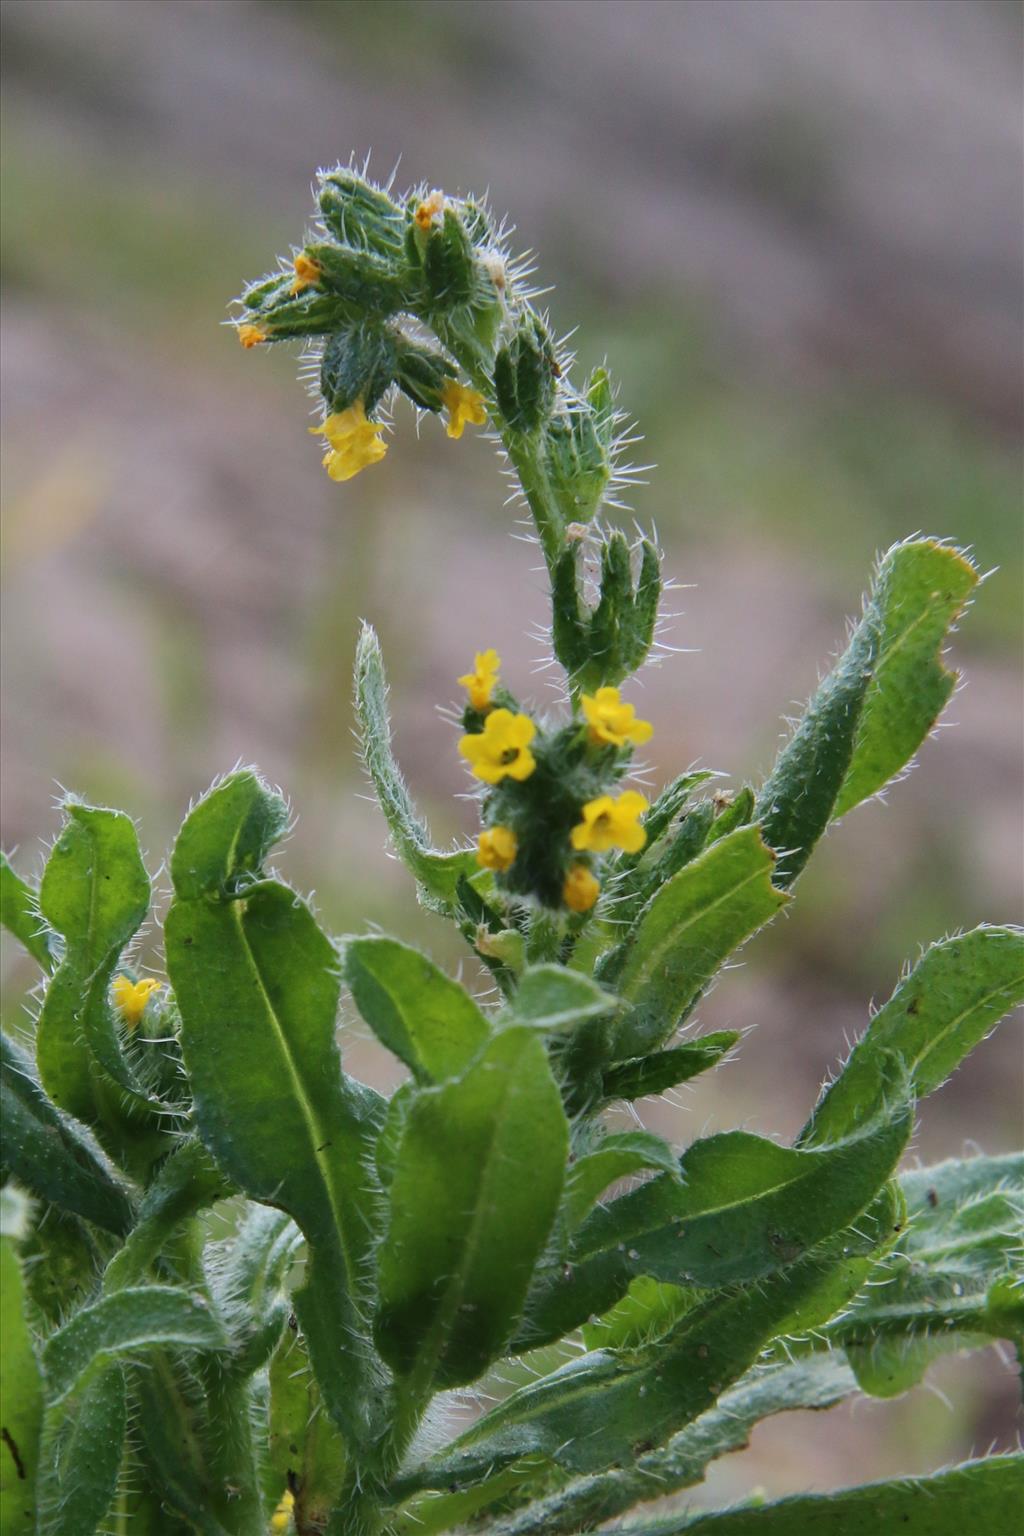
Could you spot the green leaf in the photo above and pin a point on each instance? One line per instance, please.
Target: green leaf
(437, 874)
(21, 1388)
(82, 1448)
(953, 998)
(979, 1496)
(616, 1156)
(173, 1423)
(648, 1308)
(685, 933)
(556, 1000)
(429, 1021)
(745, 1208)
(257, 985)
(51, 1154)
(474, 1196)
(186, 1183)
(20, 915)
(608, 1406)
(941, 1288)
(813, 1383)
(921, 589)
(95, 892)
(227, 836)
(132, 1319)
(305, 1451)
(646, 1075)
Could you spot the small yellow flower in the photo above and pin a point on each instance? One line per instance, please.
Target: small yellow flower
(428, 209)
(281, 1518)
(613, 723)
(131, 997)
(609, 823)
(581, 889)
(482, 681)
(462, 405)
(251, 335)
(502, 749)
(497, 848)
(354, 442)
(307, 272)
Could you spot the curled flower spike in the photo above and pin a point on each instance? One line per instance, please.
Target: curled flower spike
(354, 442)
(281, 1518)
(427, 211)
(611, 823)
(497, 848)
(462, 405)
(613, 723)
(251, 335)
(131, 997)
(307, 272)
(502, 749)
(581, 889)
(482, 681)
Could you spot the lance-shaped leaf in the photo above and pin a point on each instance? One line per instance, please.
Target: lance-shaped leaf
(556, 1000)
(21, 1387)
(921, 589)
(977, 1496)
(652, 1074)
(953, 998)
(744, 1208)
(249, 1282)
(437, 874)
(870, 714)
(604, 1407)
(942, 1286)
(685, 933)
(133, 1319)
(20, 915)
(83, 1442)
(95, 892)
(51, 1154)
(429, 1021)
(474, 1195)
(615, 1157)
(816, 1382)
(176, 1433)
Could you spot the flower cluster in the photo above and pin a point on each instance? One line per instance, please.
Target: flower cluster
(552, 808)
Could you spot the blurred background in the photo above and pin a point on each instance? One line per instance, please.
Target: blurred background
(794, 229)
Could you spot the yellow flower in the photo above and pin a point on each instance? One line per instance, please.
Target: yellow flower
(613, 723)
(502, 749)
(581, 889)
(307, 272)
(462, 405)
(354, 442)
(497, 848)
(609, 823)
(481, 682)
(131, 997)
(251, 335)
(281, 1518)
(426, 211)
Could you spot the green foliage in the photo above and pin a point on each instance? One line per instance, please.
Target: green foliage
(237, 1281)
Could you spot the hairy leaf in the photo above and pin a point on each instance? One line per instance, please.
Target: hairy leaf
(429, 1021)
(21, 1387)
(652, 1074)
(557, 1000)
(614, 1157)
(133, 1319)
(20, 915)
(83, 1443)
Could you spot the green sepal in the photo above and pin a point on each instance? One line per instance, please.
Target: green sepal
(525, 371)
(357, 365)
(577, 460)
(603, 645)
(20, 915)
(361, 215)
(21, 1384)
(449, 264)
(356, 280)
(475, 1191)
(422, 374)
(429, 1021)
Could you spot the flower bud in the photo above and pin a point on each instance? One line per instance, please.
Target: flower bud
(359, 278)
(600, 646)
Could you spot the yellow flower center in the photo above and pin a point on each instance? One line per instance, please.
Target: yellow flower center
(502, 749)
(462, 405)
(482, 681)
(251, 335)
(613, 723)
(581, 889)
(131, 997)
(428, 210)
(611, 823)
(497, 848)
(355, 442)
(307, 272)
